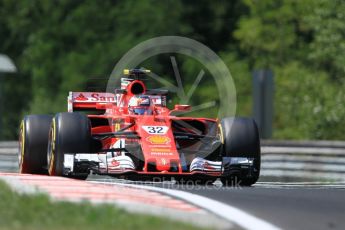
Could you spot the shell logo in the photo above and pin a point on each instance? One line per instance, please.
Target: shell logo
(158, 139)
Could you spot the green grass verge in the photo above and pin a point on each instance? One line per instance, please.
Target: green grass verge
(38, 212)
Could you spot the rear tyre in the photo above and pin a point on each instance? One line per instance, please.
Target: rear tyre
(241, 139)
(69, 133)
(33, 142)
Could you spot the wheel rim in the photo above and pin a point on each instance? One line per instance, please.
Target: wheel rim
(51, 148)
(21, 146)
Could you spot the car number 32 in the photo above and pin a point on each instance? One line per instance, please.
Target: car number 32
(161, 130)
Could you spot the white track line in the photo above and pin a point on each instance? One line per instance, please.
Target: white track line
(230, 213)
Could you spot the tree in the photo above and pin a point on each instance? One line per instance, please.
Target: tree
(303, 43)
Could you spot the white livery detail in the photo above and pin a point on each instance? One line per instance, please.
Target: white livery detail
(158, 130)
(120, 163)
(200, 164)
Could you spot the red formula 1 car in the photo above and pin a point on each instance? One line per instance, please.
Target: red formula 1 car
(133, 135)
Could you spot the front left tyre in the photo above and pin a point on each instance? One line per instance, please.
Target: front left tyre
(241, 139)
(69, 133)
(33, 142)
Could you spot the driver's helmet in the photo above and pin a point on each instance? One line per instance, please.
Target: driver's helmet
(139, 105)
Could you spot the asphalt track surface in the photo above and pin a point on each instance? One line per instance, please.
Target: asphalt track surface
(287, 207)
(300, 205)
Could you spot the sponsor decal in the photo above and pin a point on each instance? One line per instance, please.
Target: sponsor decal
(97, 97)
(81, 97)
(156, 101)
(161, 150)
(158, 139)
(94, 97)
(118, 124)
(161, 154)
(157, 130)
(168, 145)
(115, 163)
(164, 161)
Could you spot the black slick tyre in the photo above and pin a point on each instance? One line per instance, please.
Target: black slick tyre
(241, 139)
(69, 133)
(33, 142)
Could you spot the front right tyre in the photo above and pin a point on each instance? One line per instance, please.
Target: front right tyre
(69, 133)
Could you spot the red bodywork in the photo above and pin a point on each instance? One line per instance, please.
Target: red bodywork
(159, 149)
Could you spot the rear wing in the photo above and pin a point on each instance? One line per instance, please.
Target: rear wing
(78, 101)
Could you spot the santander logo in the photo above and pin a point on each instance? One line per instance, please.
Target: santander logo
(104, 97)
(94, 97)
(81, 97)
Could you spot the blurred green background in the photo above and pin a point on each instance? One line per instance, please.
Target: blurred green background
(58, 45)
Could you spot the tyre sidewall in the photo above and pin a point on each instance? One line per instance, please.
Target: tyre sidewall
(240, 138)
(70, 133)
(33, 141)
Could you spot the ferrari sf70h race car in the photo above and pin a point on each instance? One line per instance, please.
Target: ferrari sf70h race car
(131, 134)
